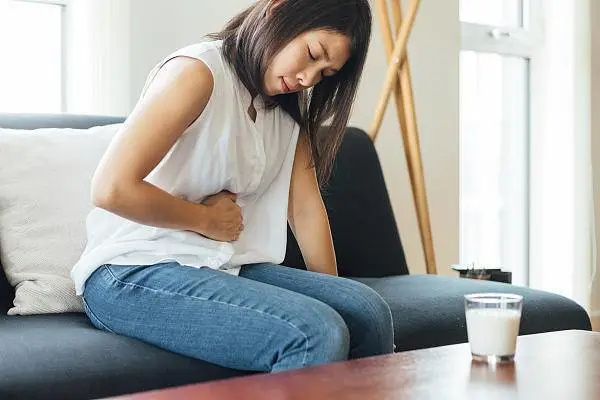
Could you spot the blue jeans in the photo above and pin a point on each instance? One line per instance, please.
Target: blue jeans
(270, 318)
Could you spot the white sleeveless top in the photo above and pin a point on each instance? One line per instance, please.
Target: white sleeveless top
(222, 150)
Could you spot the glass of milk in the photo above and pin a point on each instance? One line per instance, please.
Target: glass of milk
(493, 321)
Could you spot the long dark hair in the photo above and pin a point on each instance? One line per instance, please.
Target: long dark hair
(251, 40)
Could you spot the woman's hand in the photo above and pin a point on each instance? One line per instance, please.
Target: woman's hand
(224, 220)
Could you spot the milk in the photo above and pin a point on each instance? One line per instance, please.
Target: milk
(493, 331)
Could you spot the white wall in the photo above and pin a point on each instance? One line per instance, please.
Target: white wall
(98, 57)
(595, 137)
(159, 27)
(434, 56)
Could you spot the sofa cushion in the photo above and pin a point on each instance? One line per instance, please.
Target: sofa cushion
(428, 310)
(72, 359)
(63, 356)
(45, 177)
(7, 293)
(36, 121)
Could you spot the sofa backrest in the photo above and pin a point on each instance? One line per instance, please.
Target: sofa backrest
(362, 222)
(364, 230)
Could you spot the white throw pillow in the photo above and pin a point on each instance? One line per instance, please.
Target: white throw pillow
(45, 177)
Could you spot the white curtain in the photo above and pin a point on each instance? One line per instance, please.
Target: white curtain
(98, 66)
(562, 228)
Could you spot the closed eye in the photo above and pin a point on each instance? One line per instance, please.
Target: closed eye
(312, 57)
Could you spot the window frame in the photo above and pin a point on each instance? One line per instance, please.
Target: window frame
(523, 42)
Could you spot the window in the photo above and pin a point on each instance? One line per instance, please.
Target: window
(31, 56)
(495, 73)
(499, 13)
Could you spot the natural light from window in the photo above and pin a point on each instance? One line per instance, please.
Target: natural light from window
(30, 57)
(502, 13)
(494, 136)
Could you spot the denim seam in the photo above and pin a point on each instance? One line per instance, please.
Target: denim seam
(219, 302)
(95, 316)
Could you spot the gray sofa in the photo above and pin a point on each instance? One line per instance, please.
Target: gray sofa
(63, 356)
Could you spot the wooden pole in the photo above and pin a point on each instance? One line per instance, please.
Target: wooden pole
(392, 71)
(401, 83)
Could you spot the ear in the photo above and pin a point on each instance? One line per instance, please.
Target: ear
(273, 4)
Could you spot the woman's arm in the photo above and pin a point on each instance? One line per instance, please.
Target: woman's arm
(177, 96)
(307, 214)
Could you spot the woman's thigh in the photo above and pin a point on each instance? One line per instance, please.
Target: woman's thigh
(366, 313)
(213, 316)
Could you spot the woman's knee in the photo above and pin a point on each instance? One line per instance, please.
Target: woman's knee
(370, 312)
(335, 340)
(330, 336)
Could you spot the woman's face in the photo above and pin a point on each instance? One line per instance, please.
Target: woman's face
(305, 61)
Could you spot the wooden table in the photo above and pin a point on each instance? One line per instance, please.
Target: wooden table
(558, 365)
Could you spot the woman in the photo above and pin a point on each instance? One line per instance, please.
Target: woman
(194, 195)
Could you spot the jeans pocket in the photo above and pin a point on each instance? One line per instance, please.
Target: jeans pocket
(121, 272)
(94, 319)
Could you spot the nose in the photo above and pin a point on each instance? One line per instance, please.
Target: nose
(309, 77)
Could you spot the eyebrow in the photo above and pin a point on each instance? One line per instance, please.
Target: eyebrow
(327, 56)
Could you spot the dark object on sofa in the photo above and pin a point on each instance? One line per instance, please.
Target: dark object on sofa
(63, 356)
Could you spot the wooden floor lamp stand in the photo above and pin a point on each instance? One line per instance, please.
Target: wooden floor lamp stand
(398, 80)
